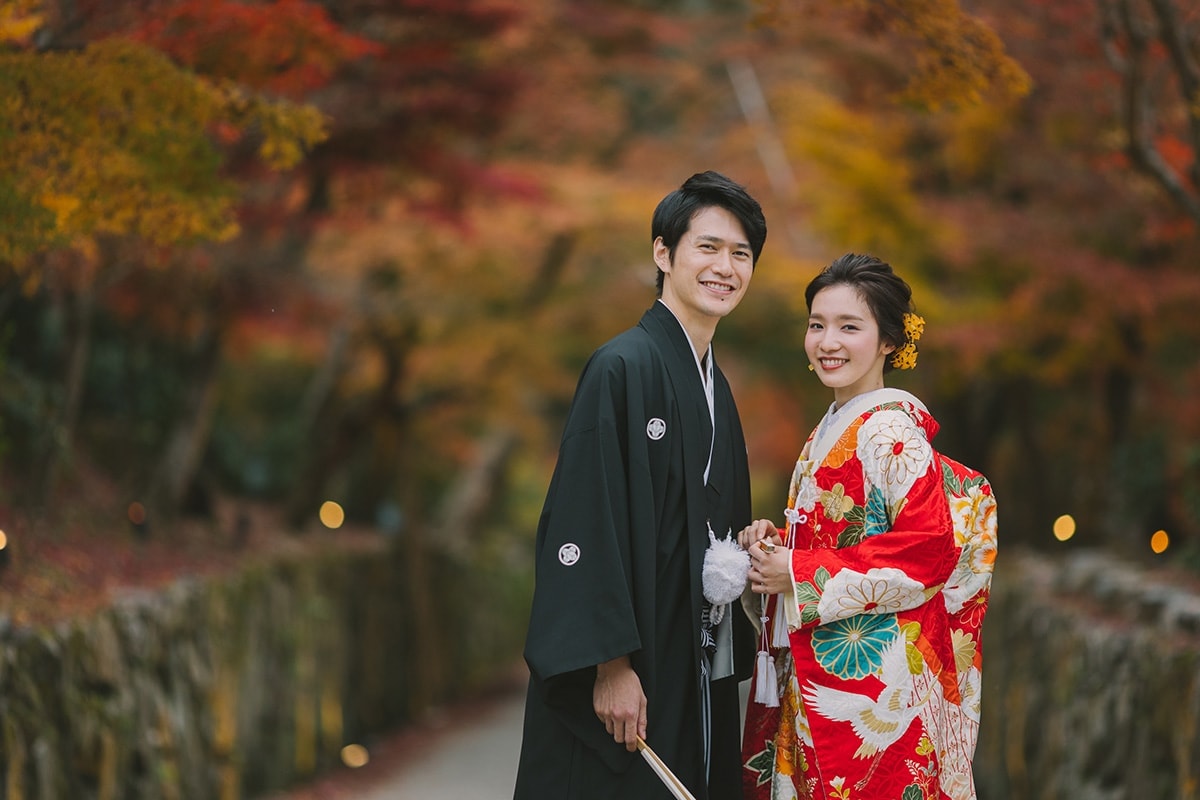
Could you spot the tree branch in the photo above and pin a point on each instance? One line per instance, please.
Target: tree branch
(1171, 32)
(1118, 19)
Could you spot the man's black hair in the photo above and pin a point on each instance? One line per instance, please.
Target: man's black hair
(704, 190)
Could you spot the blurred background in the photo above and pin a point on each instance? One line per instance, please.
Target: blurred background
(273, 272)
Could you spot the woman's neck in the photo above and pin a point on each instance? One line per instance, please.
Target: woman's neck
(840, 401)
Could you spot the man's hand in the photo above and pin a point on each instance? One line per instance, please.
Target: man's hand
(619, 701)
(761, 530)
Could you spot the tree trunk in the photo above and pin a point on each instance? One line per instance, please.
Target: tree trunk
(187, 443)
(429, 671)
(338, 431)
(466, 504)
(58, 440)
(1027, 512)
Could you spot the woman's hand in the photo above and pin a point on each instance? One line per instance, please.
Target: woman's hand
(770, 562)
(770, 568)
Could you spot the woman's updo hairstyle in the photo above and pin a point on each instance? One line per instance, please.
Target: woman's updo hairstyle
(884, 292)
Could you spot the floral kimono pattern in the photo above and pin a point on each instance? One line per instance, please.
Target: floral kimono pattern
(876, 650)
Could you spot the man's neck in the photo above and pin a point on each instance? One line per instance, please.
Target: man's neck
(700, 333)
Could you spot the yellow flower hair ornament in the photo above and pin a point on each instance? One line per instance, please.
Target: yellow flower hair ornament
(905, 357)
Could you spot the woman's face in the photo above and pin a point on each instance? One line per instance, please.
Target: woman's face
(843, 343)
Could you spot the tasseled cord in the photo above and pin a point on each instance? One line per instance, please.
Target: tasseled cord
(779, 631)
(766, 682)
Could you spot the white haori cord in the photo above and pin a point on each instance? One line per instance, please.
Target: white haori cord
(766, 681)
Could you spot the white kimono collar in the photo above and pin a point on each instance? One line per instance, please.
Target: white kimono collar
(835, 421)
(706, 380)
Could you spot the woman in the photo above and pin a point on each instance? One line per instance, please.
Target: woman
(871, 597)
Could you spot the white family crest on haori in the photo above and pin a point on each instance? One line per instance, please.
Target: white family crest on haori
(569, 554)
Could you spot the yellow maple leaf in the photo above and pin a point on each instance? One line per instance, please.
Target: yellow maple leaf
(18, 21)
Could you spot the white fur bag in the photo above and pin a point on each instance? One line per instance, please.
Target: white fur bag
(726, 567)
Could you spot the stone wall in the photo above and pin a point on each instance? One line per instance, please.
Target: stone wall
(1091, 682)
(234, 687)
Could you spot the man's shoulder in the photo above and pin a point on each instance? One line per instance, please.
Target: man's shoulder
(634, 345)
(631, 361)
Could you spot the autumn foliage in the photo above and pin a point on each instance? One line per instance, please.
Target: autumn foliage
(1022, 200)
(282, 252)
(289, 48)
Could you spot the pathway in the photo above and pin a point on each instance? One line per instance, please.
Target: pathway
(466, 753)
(477, 761)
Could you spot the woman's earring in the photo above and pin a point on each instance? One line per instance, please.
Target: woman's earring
(811, 368)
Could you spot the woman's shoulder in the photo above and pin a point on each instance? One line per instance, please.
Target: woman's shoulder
(898, 408)
(895, 399)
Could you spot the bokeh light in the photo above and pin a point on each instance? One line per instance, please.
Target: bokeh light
(1064, 527)
(332, 515)
(1160, 541)
(137, 513)
(355, 756)
(3, 540)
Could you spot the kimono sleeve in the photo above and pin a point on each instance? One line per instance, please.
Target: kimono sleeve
(907, 552)
(583, 610)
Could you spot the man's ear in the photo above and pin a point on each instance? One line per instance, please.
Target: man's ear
(662, 255)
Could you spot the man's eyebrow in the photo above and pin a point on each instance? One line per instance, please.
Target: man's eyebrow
(708, 237)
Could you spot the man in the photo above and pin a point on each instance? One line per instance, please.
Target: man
(620, 641)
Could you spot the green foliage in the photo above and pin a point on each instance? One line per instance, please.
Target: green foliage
(257, 441)
(112, 140)
(286, 132)
(116, 140)
(26, 226)
(29, 339)
(5, 412)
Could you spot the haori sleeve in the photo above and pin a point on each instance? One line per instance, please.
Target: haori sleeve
(583, 608)
(906, 550)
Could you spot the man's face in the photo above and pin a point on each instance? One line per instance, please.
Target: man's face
(712, 267)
